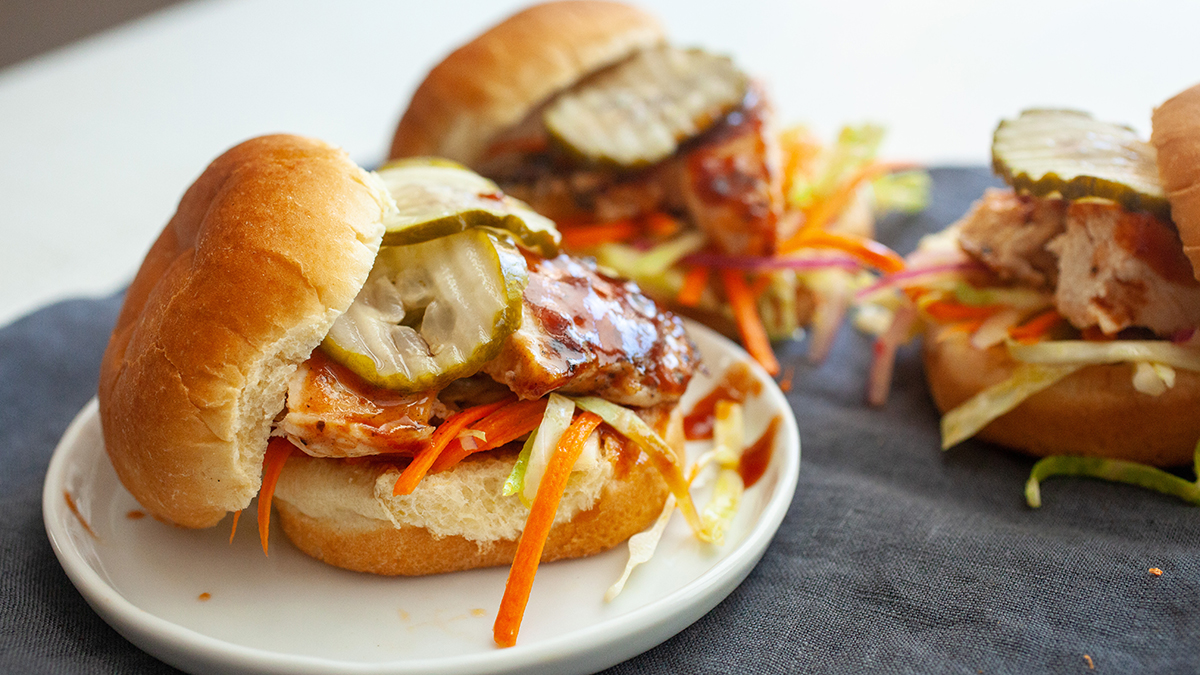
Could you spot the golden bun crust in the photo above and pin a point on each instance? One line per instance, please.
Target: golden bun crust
(268, 246)
(1093, 412)
(325, 510)
(494, 81)
(1176, 137)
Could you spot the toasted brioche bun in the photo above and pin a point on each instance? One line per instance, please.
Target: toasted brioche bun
(1176, 136)
(494, 81)
(232, 297)
(1093, 412)
(455, 520)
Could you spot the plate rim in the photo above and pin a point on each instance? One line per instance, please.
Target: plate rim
(184, 647)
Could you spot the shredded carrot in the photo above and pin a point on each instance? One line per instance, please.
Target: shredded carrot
(502, 426)
(868, 251)
(278, 451)
(537, 529)
(233, 530)
(695, 281)
(835, 202)
(785, 382)
(949, 311)
(1037, 327)
(446, 432)
(587, 236)
(801, 148)
(662, 225)
(760, 285)
(749, 323)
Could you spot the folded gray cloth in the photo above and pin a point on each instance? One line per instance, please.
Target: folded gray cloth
(894, 557)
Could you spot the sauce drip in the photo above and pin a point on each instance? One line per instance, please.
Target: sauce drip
(1152, 241)
(737, 384)
(75, 510)
(756, 457)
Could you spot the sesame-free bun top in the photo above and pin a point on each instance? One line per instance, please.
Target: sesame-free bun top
(494, 81)
(1176, 137)
(268, 246)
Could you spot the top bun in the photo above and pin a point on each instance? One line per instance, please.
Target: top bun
(267, 248)
(494, 81)
(1176, 136)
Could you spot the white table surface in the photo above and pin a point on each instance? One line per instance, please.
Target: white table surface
(99, 140)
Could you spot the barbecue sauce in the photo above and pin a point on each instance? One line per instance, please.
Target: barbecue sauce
(737, 384)
(757, 456)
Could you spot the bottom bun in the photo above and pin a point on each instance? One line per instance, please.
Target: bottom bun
(330, 510)
(1093, 412)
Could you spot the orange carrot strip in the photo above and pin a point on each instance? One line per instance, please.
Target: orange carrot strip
(948, 311)
(506, 424)
(662, 225)
(835, 202)
(233, 530)
(278, 451)
(587, 236)
(1036, 327)
(968, 326)
(749, 323)
(694, 283)
(869, 251)
(448, 431)
(537, 529)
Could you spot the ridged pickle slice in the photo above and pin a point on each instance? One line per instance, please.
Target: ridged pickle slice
(1068, 153)
(637, 112)
(438, 197)
(432, 312)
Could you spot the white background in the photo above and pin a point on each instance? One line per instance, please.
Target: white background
(99, 140)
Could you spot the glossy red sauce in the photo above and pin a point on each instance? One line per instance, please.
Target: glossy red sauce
(1152, 241)
(757, 457)
(737, 384)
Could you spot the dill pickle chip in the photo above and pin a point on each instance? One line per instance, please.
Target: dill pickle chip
(637, 112)
(1068, 153)
(432, 312)
(437, 197)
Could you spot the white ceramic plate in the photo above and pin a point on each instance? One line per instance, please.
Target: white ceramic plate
(291, 614)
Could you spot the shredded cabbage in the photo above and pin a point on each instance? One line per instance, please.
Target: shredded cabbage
(659, 259)
(515, 485)
(641, 547)
(1083, 352)
(1115, 470)
(628, 424)
(855, 146)
(904, 191)
(1153, 378)
(723, 505)
(1027, 379)
(1026, 299)
(994, 329)
(559, 412)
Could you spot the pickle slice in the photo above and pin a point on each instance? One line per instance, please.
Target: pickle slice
(637, 112)
(437, 197)
(432, 312)
(1068, 153)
